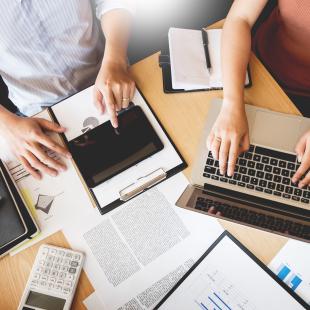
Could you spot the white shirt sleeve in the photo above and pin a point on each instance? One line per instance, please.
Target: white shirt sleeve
(104, 6)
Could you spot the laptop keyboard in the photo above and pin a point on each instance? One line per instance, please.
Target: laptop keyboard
(262, 170)
(269, 222)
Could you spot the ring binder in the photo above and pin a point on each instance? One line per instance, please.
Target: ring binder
(142, 183)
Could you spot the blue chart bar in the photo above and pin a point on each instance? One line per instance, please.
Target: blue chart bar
(284, 271)
(295, 282)
(201, 305)
(214, 303)
(216, 295)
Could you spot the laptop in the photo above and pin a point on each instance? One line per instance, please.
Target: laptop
(260, 193)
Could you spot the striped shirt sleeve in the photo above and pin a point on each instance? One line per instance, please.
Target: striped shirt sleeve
(104, 6)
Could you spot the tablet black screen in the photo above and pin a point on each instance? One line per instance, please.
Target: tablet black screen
(104, 151)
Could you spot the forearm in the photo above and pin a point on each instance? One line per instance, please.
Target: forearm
(5, 116)
(236, 47)
(116, 26)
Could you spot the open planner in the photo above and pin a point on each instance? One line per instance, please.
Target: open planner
(79, 115)
(229, 277)
(183, 61)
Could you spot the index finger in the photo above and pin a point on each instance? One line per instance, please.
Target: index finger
(52, 145)
(110, 105)
(233, 155)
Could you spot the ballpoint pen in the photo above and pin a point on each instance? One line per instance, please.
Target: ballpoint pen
(205, 42)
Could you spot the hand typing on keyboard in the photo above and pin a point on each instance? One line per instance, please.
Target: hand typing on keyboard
(229, 136)
(302, 175)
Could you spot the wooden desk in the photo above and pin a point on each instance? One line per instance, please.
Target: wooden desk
(183, 116)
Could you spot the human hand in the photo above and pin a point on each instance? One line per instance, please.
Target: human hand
(229, 137)
(26, 137)
(114, 88)
(302, 175)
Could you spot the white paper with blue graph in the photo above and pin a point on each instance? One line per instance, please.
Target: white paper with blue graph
(227, 278)
(292, 266)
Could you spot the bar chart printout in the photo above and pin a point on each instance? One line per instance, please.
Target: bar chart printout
(228, 277)
(288, 276)
(212, 290)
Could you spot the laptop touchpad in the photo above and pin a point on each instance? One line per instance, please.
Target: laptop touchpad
(276, 131)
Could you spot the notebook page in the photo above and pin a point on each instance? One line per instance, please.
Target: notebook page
(187, 58)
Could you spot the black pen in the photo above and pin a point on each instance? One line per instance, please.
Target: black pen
(205, 42)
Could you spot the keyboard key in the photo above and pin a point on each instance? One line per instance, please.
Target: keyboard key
(259, 189)
(268, 168)
(245, 178)
(260, 174)
(237, 176)
(256, 157)
(285, 172)
(273, 162)
(289, 190)
(306, 194)
(276, 170)
(251, 172)
(243, 170)
(254, 181)
(210, 162)
(262, 183)
(214, 177)
(276, 193)
(242, 162)
(275, 154)
(210, 154)
(297, 192)
(291, 166)
(268, 191)
(248, 155)
(241, 184)
(295, 198)
(216, 164)
(268, 176)
(250, 186)
(271, 185)
(209, 169)
(259, 166)
(265, 160)
(277, 178)
(223, 180)
(282, 164)
(251, 164)
(286, 181)
(287, 196)
(233, 182)
(304, 200)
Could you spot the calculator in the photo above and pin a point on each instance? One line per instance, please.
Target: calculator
(53, 279)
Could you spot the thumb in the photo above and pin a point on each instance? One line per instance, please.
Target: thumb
(50, 126)
(301, 147)
(98, 99)
(245, 143)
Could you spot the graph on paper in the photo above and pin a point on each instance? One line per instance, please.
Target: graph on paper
(212, 290)
(288, 276)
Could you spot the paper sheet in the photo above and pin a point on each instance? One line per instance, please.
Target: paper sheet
(93, 302)
(53, 201)
(227, 278)
(292, 266)
(138, 251)
(108, 191)
(188, 62)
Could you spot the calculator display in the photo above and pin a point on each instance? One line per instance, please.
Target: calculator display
(45, 302)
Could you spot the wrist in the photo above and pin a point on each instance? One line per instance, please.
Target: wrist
(115, 54)
(233, 104)
(6, 117)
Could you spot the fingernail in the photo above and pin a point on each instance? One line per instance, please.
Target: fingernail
(301, 185)
(54, 173)
(299, 158)
(69, 156)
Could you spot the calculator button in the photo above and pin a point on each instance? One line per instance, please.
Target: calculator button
(58, 260)
(74, 264)
(58, 287)
(54, 273)
(61, 253)
(77, 257)
(64, 268)
(53, 251)
(34, 282)
(44, 251)
(43, 283)
(69, 255)
(66, 261)
(72, 270)
(56, 266)
(70, 277)
(51, 286)
(62, 275)
(44, 278)
(47, 271)
(50, 258)
(52, 280)
(41, 262)
(48, 264)
(66, 290)
(60, 282)
(39, 269)
(68, 283)
(36, 276)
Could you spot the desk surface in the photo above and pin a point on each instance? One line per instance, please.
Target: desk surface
(183, 117)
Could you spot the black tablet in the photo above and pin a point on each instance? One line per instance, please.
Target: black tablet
(105, 151)
(16, 223)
